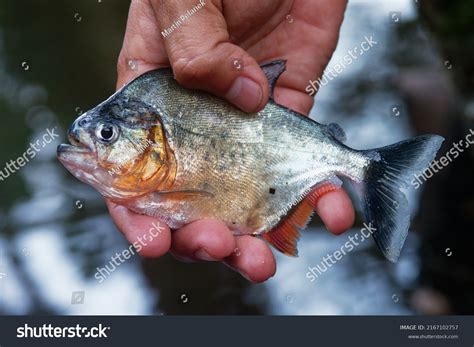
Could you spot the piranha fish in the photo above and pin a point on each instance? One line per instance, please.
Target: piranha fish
(181, 155)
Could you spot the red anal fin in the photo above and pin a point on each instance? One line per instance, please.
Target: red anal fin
(285, 235)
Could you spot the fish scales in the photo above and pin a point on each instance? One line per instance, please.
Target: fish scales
(182, 155)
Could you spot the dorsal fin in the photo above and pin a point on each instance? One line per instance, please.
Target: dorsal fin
(337, 131)
(273, 70)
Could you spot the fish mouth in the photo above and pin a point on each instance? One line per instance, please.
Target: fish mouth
(78, 160)
(67, 148)
(75, 146)
(67, 151)
(81, 162)
(75, 155)
(79, 156)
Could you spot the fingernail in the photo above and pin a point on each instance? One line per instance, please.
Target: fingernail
(244, 275)
(245, 94)
(203, 255)
(119, 209)
(241, 272)
(184, 259)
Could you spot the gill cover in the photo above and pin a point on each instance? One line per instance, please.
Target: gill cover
(153, 169)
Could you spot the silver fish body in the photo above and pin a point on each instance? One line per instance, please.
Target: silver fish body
(250, 170)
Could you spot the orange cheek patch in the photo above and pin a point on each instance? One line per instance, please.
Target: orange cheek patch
(155, 169)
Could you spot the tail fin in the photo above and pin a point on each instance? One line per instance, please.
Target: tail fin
(385, 205)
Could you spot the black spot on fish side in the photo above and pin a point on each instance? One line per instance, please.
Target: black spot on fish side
(272, 191)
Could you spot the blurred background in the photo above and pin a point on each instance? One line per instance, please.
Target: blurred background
(58, 59)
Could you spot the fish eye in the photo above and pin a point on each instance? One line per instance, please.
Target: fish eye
(107, 133)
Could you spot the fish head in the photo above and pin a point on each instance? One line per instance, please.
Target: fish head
(120, 149)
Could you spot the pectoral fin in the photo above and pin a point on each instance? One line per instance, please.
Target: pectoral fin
(187, 194)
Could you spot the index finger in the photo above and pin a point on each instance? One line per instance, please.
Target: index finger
(142, 48)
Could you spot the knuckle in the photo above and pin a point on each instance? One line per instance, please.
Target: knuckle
(189, 71)
(121, 64)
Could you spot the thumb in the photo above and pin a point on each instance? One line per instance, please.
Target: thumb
(202, 56)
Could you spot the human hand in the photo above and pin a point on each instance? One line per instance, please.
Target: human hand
(201, 52)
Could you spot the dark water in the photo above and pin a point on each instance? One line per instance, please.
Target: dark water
(57, 59)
